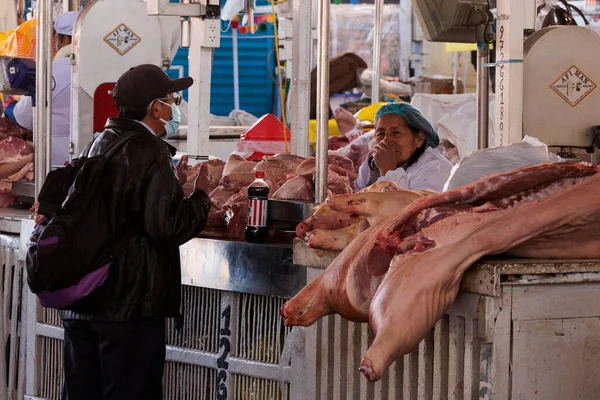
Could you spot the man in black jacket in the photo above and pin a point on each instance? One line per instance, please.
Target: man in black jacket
(115, 339)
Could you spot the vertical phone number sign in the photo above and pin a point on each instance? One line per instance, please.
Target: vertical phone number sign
(509, 73)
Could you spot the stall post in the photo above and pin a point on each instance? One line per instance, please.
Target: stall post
(322, 102)
(509, 71)
(483, 94)
(43, 104)
(377, 37)
(300, 96)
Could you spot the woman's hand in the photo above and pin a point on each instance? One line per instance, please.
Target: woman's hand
(181, 168)
(386, 156)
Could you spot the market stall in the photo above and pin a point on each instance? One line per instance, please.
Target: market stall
(512, 318)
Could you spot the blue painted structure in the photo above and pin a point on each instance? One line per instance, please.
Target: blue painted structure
(256, 60)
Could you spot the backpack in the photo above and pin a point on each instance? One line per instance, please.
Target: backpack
(69, 257)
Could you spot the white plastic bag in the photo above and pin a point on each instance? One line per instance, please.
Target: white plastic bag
(454, 119)
(231, 9)
(499, 159)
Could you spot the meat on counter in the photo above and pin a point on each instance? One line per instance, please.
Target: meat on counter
(408, 268)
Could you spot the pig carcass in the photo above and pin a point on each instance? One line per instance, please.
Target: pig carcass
(325, 218)
(349, 284)
(327, 229)
(374, 207)
(559, 221)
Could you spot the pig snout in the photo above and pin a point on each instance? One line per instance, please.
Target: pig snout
(302, 229)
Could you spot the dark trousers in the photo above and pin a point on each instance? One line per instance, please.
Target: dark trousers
(114, 361)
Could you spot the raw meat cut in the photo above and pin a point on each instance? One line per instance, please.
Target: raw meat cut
(348, 285)
(236, 214)
(421, 285)
(6, 196)
(214, 172)
(14, 149)
(237, 164)
(274, 170)
(228, 215)
(8, 128)
(338, 184)
(298, 189)
(339, 164)
(26, 171)
(290, 161)
(358, 149)
(236, 180)
(336, 142)
(288, 177)
(16, 159)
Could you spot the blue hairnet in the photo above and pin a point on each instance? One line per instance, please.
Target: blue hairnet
(414, 118)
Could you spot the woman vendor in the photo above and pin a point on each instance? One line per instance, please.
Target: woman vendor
(405, 151)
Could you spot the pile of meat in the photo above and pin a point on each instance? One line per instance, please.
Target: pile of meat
(289, 177)
(16, 159)
(403, 274)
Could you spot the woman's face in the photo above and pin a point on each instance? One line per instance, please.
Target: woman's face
(400, 142)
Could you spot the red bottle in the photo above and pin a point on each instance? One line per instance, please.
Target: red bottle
(258, 195)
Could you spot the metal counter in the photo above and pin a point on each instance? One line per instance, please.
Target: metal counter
(241, 267)
(519, 328)
(233, 344)
(10, 219)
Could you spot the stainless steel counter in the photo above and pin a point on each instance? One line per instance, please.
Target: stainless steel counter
(488, 274)
(241, 267)
(10, 219)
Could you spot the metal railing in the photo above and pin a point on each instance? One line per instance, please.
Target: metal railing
(12, 318)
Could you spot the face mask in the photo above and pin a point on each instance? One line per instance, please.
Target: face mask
(172, 125)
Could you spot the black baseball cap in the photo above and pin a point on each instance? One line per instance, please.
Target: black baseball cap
(144, 83)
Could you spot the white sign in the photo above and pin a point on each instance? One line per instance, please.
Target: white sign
(122, 39)
(573, 86)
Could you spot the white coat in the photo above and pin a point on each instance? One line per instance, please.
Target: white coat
(429, 172)
(61, 108)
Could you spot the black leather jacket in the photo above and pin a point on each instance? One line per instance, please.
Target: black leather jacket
(150, 218)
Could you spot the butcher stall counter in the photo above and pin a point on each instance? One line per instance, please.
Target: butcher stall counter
(519, 329)
(499, 336)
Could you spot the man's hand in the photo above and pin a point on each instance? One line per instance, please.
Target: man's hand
(181, 169)
(201, 182)
(386, 155)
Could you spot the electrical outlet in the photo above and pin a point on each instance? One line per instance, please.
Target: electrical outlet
(212, 33)
(285, 50)
(285, 28)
